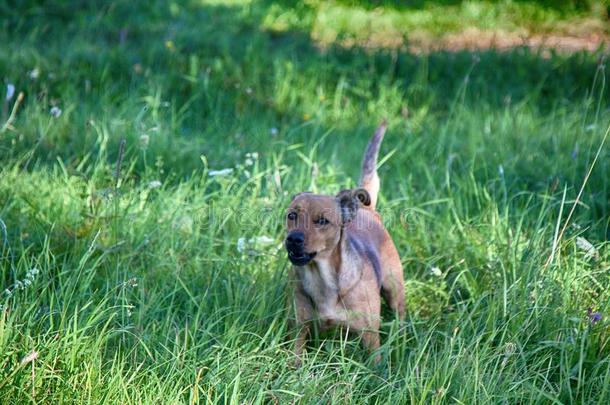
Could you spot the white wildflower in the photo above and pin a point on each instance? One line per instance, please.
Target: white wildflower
(590, 127)
(34, 73)
(274, 131)
(247, 174)
(587, 247)
(241, 245)
(8, 293)
(509, 350)
(31, 274)
(10, 91)
(132, 282)
(222, 172)
(144, 140)
(436, 272)
(249, 90)
(55, 111)
(501, 170)
(154, 184)
(248, 162)
(27, 282)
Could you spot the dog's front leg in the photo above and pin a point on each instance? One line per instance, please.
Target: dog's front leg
(304, 316)
(370, 340)
(300, 342)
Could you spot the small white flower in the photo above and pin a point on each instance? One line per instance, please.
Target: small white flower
(274, 131)
(144, 140)
(241, 245)
(510, 348)
(8, 293)
(18, 285)
(247, 174)
(31, 274)
(436, 271)
(587, 247)
(590, 128)
(249, 90)
(34, 73)
(27, 282)
(248, 162)
(154, 184)
(501, 170)
(55, 111)
(222, 172)
(10, 91)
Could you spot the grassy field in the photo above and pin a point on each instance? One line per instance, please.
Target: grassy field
(137, 268)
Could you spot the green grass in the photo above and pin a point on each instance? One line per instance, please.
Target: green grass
(141, 294)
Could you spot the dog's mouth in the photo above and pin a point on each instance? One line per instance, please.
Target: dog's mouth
(301, 258)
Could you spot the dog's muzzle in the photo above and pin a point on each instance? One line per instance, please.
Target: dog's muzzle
(295, 245)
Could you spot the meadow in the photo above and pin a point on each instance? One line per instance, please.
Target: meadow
(148, 151)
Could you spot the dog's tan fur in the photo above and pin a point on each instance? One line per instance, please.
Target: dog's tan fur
(350, 258)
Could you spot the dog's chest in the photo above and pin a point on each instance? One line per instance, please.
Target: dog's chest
(320, 283)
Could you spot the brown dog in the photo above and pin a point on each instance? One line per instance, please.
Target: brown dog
(343, 258)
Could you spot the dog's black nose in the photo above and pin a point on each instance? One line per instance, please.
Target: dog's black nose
(296, 238)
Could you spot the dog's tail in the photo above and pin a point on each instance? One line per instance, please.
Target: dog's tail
(369, 179)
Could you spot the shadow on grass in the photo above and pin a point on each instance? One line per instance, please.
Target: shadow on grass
(231, 72)
(559, 5)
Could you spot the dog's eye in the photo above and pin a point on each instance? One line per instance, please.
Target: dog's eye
(321, 221)
(292, 216)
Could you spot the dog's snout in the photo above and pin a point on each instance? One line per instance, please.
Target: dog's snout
(296, 238)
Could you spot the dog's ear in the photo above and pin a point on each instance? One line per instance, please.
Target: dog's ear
(350, 200)
(363, 196)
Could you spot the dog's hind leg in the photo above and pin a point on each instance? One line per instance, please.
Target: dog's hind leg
(369, 180)
(393, 292)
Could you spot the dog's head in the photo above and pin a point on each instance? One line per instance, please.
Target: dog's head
(314, 222)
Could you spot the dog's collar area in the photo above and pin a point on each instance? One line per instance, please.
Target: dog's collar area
(302, 259)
